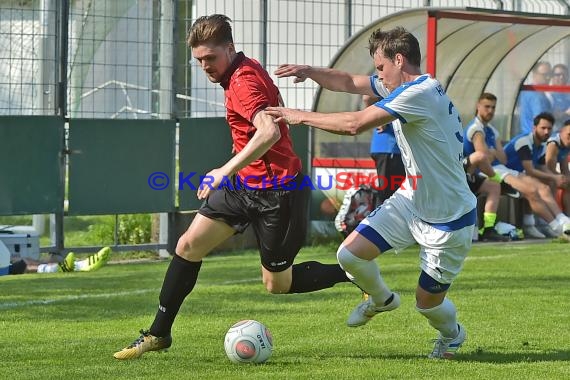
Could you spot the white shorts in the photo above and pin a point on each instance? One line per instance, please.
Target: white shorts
(504, 171)
(442, 253)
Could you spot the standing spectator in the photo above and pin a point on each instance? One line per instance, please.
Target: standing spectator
(531, 103)
(560, 101)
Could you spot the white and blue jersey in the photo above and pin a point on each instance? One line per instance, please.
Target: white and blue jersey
(430, 136)
(563, 151)
(490, 134)
(384, 142)
(521, 148)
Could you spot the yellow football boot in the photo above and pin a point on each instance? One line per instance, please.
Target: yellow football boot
(146, 342)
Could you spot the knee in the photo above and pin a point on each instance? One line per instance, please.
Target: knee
(184, 248)
(544, 190)
(533, 195)
(494, 189)
(344, 256)
(426, 301)
(476, 158)
(275, 287)
(430, 292)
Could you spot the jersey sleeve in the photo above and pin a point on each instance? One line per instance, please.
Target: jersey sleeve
(249, 95)
(407, 104)
(523, 150)
(378, 87)
(553, 140)
(472, 129)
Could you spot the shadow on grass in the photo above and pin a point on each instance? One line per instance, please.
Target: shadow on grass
(479, 356)
(482, 356)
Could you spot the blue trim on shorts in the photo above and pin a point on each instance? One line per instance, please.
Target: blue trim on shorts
(375, 238)
(430, 285)
(457, 224)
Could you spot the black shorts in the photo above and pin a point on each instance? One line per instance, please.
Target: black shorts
(475, 181)
(389, 166)
(278, 218)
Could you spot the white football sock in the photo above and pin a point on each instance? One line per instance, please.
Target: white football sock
(443, 318)
(556, 226)
(366, 275)
(80, 264)
(48, 268)
(562, 219)
(528, 220)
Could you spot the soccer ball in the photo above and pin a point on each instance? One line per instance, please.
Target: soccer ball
(248, 341)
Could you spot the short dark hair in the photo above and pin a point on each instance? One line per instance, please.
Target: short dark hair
(540, 63)
(214, 29)
(394, 41)
(543, 116)
(488, 96)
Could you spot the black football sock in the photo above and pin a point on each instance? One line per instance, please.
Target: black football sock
(179, 281)
(312, 275)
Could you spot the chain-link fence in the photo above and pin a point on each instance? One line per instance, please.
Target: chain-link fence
(128, 58)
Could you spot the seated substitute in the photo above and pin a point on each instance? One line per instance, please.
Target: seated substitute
(523, 155)
(556, 162)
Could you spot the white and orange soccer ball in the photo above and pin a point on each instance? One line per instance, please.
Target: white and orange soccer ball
(248, 341)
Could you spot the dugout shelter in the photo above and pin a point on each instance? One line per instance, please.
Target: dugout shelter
(470, 50)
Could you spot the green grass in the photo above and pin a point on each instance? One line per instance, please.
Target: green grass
(513, 300)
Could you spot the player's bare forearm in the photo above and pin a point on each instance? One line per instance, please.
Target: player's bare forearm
(341, 123)
(544, 176)
(331, 79)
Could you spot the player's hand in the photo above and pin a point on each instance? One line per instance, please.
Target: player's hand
(561, 181)
(210, 182)
(565, 182)
(300, 72)
(380, 129)
(288, 115)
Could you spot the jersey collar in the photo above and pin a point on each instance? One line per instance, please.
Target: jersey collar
(225, 82)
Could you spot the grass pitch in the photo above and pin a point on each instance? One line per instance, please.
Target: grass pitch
(513, 300)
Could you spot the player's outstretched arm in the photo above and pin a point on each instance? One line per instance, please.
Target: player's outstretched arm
(331, 79)
(341, 123)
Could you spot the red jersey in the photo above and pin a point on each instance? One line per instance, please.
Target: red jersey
(248, 89)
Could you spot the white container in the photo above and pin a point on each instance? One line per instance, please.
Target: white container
(21, 245)
(4, 259)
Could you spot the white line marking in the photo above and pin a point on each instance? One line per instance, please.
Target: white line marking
(13, 305)
(73, 298)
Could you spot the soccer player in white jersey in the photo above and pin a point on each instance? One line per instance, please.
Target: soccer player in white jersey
(435, 207)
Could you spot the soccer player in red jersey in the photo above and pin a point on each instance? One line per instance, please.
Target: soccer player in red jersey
(262, 186)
